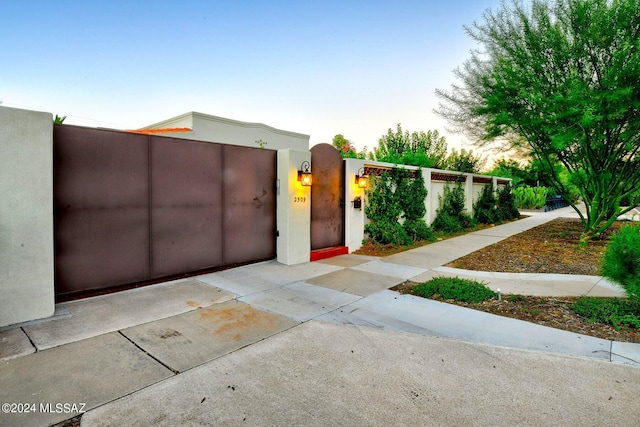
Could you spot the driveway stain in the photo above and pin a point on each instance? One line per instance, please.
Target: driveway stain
(169, 333)
(236, 321)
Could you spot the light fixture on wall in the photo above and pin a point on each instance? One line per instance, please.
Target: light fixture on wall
(304, 174)
(362, 179)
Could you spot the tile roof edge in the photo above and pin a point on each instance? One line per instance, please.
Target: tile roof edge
(161, 130)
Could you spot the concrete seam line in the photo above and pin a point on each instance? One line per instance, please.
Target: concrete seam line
(611, 351)
(175, 372)
(30, 340)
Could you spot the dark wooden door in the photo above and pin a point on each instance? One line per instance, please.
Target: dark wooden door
(327, 197)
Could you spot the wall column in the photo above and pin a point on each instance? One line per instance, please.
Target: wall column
(429, 216)
(293, 216)
(26, 216)
(468, 191)
(355, 218)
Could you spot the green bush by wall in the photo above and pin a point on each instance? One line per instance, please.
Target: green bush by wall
(621, 261)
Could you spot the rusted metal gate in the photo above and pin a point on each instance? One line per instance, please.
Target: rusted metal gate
(132, 208)
(327, 197)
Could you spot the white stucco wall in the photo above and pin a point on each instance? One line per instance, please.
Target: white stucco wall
(26, 216)
(355, 219)
(209, 128)
(293, 213)
(436, 191)
(477, 190)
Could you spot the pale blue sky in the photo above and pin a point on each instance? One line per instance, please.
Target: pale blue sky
(314, 67)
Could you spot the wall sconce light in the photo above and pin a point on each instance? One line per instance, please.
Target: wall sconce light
(362, 179)
(304, 174)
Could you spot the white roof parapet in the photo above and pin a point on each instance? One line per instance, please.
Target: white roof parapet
(194, 114)
(210, 128)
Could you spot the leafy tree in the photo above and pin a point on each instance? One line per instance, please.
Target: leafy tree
(391, 146)
(340, 142)
(424, 149)
(464, 161)
(536, 175)
(527, 172)
(344, 146)
(560, 78)
(540, 173)
(510, 168)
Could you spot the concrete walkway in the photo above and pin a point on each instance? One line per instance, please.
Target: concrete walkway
(323, 343)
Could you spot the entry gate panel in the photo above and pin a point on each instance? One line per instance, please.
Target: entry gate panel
(249, 204)
(327, 197)
(186, 206)
(101, 198)
(131, 208)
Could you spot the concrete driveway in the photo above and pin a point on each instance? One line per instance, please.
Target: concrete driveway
(322, 343)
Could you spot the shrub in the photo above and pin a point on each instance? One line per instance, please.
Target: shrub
(387, 233)
(485, 210)
(621, 261)
(451, 216)
(383, 210)
(615, 311)
(507, 208)
(530, 197)
(491, 208)
(411, 196)
(454, 288)
(446, 224)
(392, 197)
(418, 230)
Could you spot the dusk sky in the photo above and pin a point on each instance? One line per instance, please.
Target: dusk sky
(316, 67)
